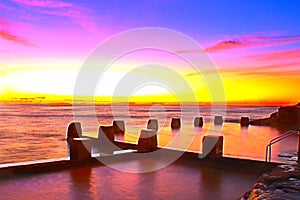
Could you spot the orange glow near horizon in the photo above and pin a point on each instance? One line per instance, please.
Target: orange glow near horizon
(242, 86)
(249, 90)
(258, 62)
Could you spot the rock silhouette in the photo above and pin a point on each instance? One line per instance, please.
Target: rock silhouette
(287, 118)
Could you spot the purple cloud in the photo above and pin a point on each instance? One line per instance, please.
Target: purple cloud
(246, 42)
(78, 14)
(3, 23)
(46, 3)
(252, 41)
(287, 54)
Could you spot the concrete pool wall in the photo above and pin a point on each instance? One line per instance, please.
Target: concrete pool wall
(187, 178)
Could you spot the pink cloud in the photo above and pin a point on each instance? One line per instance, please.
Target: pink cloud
(279, 69)
(284, 63)
(286, 68)
(6, 35)
(275, 67)
(294, 72)
(2, 6)
(251, 41)
(288, 54)
(224, 45)
(69, 13)
(78, 14)
(3, 23)
(46, 3)
(8, 52)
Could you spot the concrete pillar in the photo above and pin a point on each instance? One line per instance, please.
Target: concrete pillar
(74, 131)
(212, 146)
(152, 124)
(176, 123)
(198, 122)
(106, 131)
(147, 140)
(119, 126)
(80, 149)
(218, 120)
(245, 121)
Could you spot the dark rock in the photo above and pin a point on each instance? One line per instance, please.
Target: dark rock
(286, 118)
(259, 186)
(261, 122)
(278, 184)
(246, 195)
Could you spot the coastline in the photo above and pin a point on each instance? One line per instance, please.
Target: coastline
(283, 182)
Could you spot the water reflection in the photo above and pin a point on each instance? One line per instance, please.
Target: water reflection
(176, 181)
(244, 142)
(210, 180)
(244, 129)
(148, 183)
(80, 184)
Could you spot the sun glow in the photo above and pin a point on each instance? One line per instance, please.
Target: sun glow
(257, 61)
(58, 85)
(59, 82)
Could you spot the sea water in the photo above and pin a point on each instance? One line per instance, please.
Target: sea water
(30, 132)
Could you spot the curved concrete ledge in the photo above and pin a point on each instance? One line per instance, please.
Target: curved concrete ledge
(187, 159)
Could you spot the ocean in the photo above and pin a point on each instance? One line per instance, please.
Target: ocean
(30, 132)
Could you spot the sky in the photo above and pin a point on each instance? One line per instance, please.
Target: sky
(255, 46)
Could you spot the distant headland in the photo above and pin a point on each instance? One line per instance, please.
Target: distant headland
(286, 118)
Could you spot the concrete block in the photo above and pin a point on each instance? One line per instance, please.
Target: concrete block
(74, 131)
(176, 123)
(119, 126)
(80, 149)
(198, 122)
(106, 131)
(218, 120)
(212, 146)
(152, 124)
(245, 121)
(147, 140)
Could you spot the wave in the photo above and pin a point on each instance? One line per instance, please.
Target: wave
(70, 115)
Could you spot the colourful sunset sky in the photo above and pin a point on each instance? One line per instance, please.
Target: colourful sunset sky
(255, 46)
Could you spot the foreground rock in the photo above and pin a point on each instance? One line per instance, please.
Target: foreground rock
(282, 183)
(287, 118)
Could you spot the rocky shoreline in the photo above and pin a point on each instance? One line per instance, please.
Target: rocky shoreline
(283, 182)
(286, 118)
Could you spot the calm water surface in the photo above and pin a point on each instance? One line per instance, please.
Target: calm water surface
(172, 182)
(34, 132)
